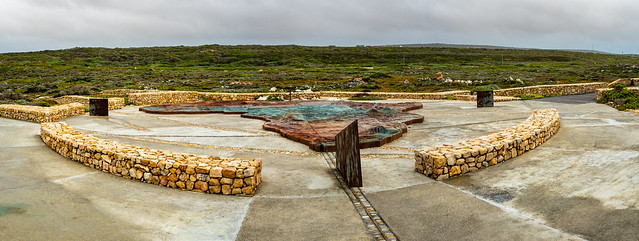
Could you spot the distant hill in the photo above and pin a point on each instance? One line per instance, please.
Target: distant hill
(479, 46)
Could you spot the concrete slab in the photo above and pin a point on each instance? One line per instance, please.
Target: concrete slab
(435, 211)
(582, 183)
(298, 219)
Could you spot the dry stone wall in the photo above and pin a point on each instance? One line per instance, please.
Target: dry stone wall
(395, 95)
(163, 97)
(114, 102)
(150, 97)
(190, 172)
(449, 160)
(626, 82)
(123, 92)
(41, 114)
(548, 90)
(215, 96)
(495, 98)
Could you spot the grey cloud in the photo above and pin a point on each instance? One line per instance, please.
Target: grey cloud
(42, 24)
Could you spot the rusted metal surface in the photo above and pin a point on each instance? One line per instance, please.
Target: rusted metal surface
(485, 99)
(314, 123)
(98, 107)
(347, 155)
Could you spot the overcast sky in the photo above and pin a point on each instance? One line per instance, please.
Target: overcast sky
(606, 25)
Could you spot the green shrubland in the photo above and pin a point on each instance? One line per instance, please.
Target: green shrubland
(253, 68)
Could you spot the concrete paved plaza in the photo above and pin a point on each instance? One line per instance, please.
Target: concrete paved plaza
(581, 184)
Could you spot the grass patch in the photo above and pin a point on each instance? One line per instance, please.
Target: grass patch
(530, 97)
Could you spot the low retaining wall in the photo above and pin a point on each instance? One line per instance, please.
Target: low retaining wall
(442, 162)
(114, 102)
(123, 92)
(41, 114)
(190, 172)
(395, 95)
(626, 82)
(163, 97)
(214, 96)
(150, 97)
(548, 90)
(495, 98)
(600, 92)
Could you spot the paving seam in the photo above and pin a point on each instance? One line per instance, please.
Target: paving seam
(203, 126)
(124, 123)
(74, 177)
(375, 225)
(512, 211)
(236, 232)
(467, 124)
(294, 153)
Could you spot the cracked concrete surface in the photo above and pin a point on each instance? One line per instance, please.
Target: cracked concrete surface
(581, 184)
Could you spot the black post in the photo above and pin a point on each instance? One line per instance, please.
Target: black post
(99, 107)
(485, 99)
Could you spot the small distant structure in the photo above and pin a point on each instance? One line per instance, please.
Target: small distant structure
(355, 82)
(242, 83)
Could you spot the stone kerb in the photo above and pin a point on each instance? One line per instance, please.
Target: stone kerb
(41, 114)
(190, 172)
(449, 160)
(114, 102)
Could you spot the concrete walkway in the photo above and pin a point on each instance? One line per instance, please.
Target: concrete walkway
(582, 184)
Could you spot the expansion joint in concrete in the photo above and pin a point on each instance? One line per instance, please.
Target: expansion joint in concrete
(375, 225)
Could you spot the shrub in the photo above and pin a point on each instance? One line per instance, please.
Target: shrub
(615, 94)
(485, 88)
(273, 98)
(529, 97)
(450, 97)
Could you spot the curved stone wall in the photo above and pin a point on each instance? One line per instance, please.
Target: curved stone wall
(442, 162)
(190, 172)
(41, 114)
(114, 102)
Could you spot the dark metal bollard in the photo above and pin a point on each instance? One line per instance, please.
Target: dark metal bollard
(485, 99)
(99, 107)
